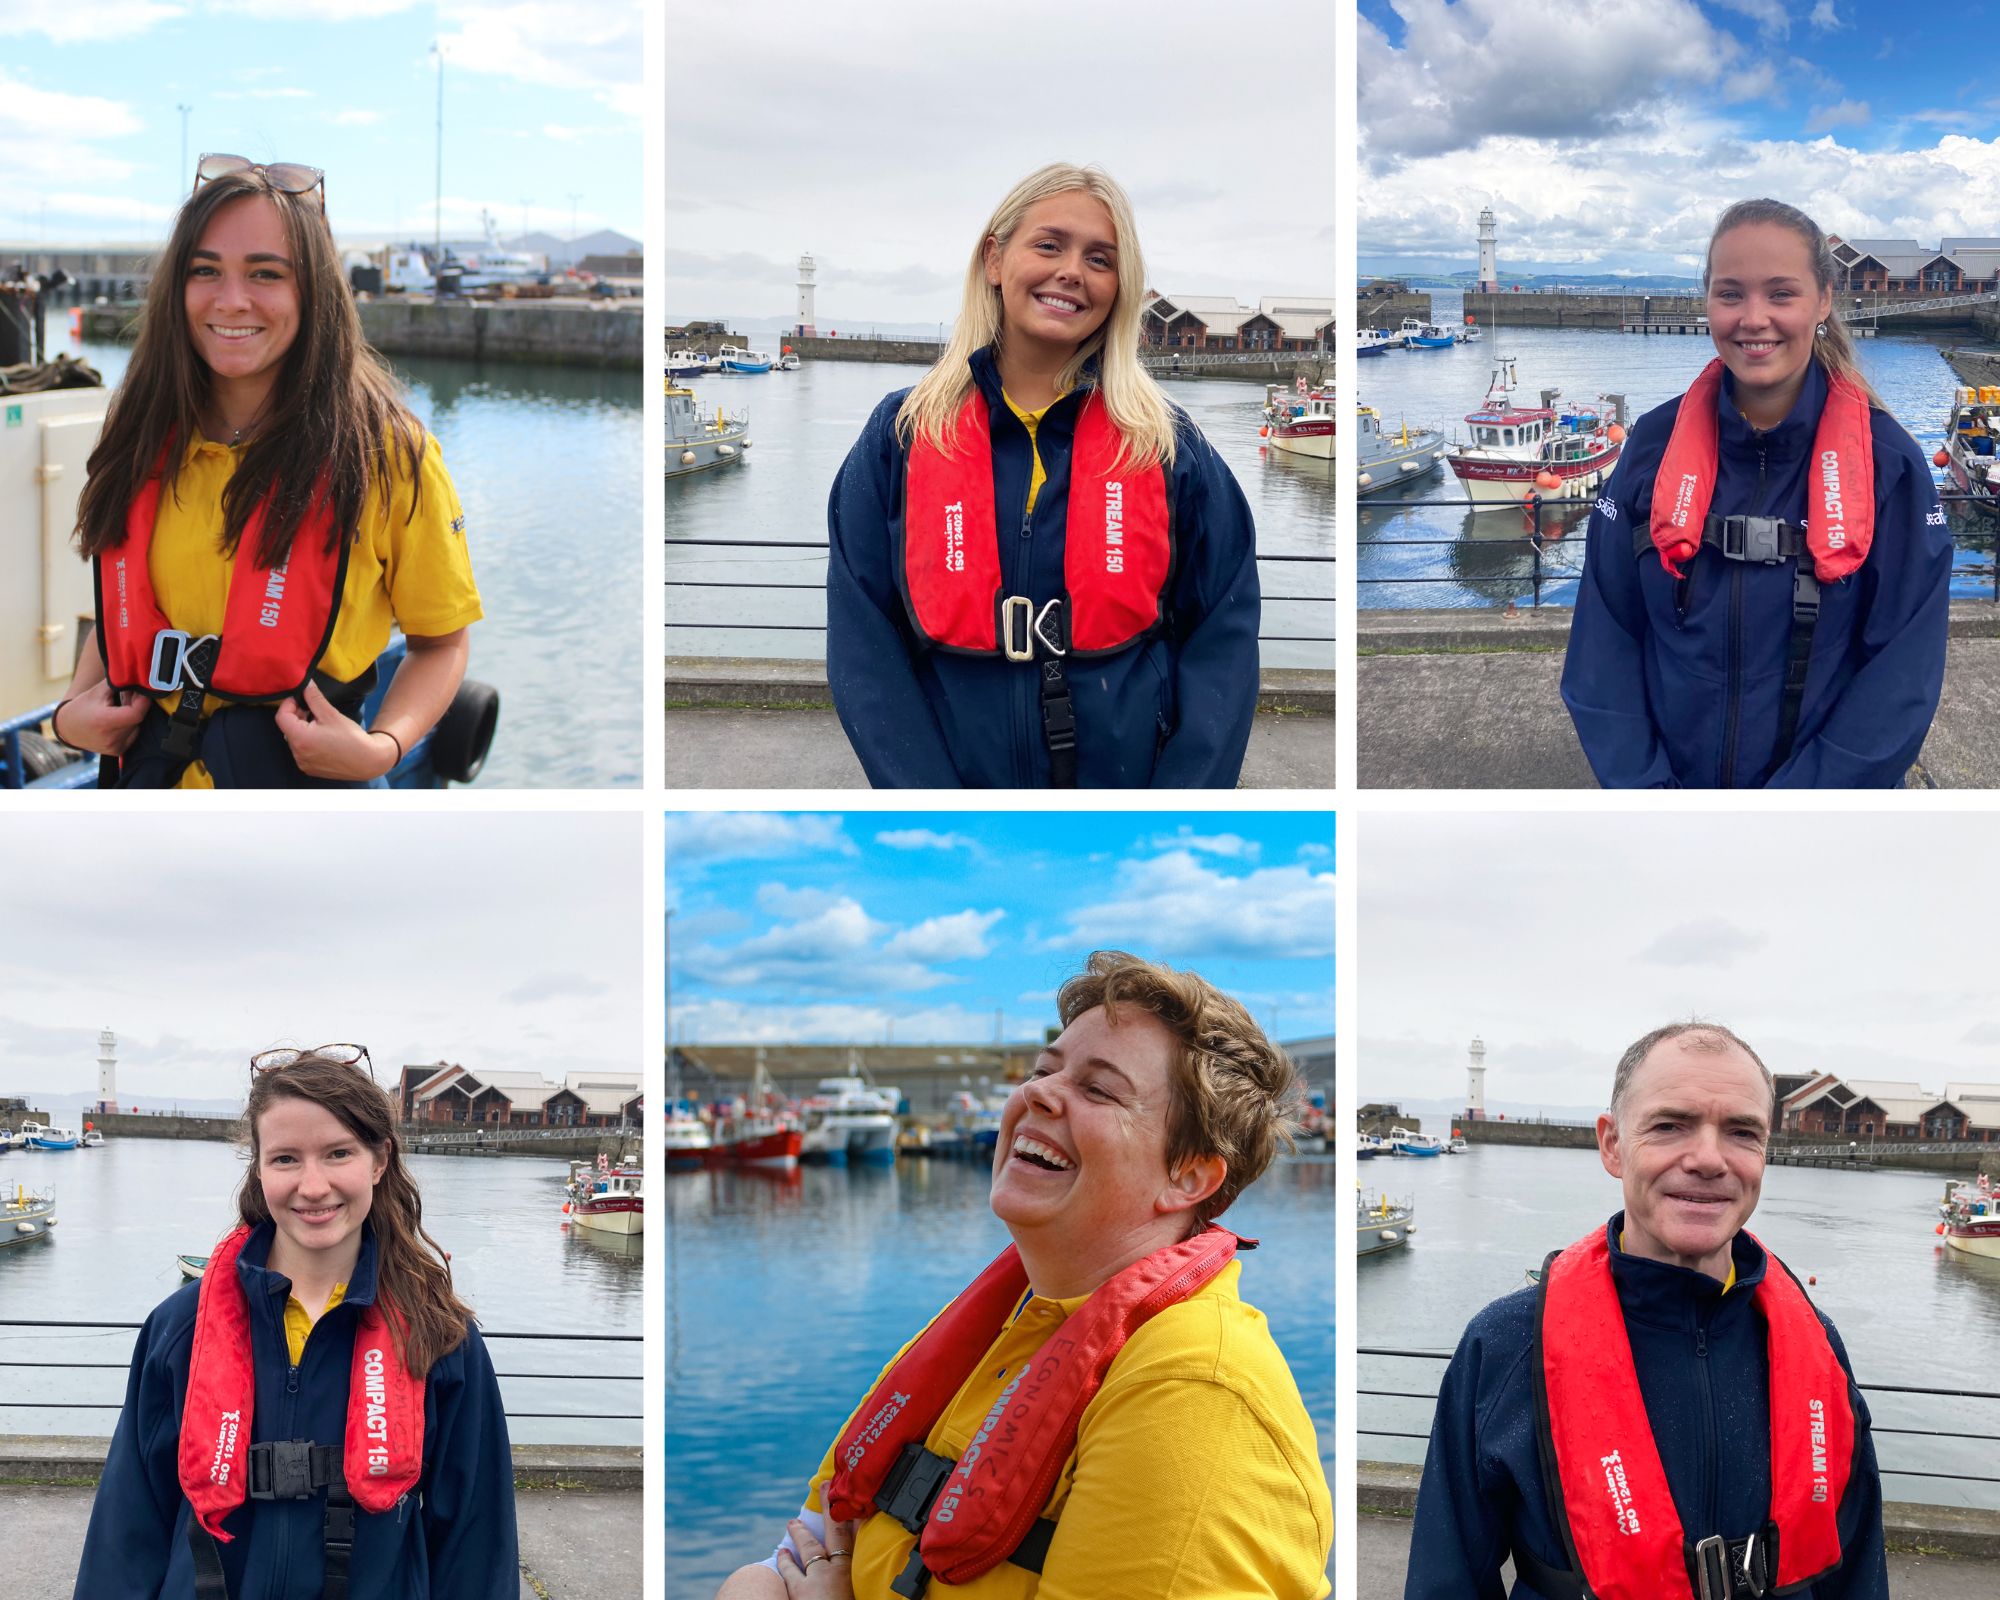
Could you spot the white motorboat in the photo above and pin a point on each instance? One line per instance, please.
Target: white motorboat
(42, 1137)
(1416, 1144)
(1382, 1224)
(685, 363)
(734, 358)
(849, 1119)
(687, 1141)
(92, 1139)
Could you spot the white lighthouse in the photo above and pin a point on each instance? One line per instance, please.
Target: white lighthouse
(107, 1071)
(1475, 1091)
(1489, 247)
(805, 326)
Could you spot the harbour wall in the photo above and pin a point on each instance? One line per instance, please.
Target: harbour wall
(1551, 309)
(444, 1139)
(1388, 311)
(1882, 1154)
(1543, 1135)
(144, 1125)
(550, 332)
(918, 352)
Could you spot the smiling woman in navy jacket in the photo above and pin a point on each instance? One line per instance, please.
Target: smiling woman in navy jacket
(1041, 575)
(1764, 595)
(317, 1417)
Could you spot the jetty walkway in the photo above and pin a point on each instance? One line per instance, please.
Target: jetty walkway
(1471, 700)
(578, 1507)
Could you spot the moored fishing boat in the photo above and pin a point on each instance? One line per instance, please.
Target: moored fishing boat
(1434, 336)
(40, 1137)
(1382, 1224)
(734, 358)
(755, 1139)
(1416, 1144)
(26, 1214)
(1513, 451)
(1302, 424)
(606, 1199)
(1970, 1213)
(1374, 342)
(1385, 459)
(697, 438)
(1971, 450)
(686, 1140)
(849, 1119)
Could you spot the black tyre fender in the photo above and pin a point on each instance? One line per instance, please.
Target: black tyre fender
(465, 732)
(40, 757)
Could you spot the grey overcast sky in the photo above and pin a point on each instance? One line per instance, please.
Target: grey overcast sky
(1856, 943)
(880, 137)
(490, 939)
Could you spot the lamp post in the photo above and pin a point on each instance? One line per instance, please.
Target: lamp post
(184, 110)
(437, 49)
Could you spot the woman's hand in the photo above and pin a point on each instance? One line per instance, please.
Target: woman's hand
(326, 744)
(827, 1572)
(92, 719)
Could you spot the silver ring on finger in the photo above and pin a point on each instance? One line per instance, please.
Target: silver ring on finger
(820, 1557)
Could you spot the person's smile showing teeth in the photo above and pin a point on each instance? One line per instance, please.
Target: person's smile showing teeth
(1036, 1153)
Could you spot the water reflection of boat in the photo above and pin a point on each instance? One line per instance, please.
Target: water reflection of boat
(1382, 1224)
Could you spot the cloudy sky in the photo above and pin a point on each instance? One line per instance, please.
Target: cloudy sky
(881, 137)
(1853, 943)
(543, 101)
(503, 941)
(1609, 135)
(864, 926)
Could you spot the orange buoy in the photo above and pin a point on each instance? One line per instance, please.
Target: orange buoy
(1941, 459)
(1812, 1277)
(1547, 480)
(1939, 1230)
(1264, 432)
(1615, 433)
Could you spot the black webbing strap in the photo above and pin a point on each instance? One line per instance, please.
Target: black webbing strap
(184, 725)
(1798, 658)
(909, 1490)
(1764, 540)
(1718, 1569)
(339, 1538)
(289, 1469)
(1058, 725)
(209, 1583)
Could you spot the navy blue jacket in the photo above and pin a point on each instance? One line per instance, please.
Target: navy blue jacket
(451, 1539)
(1172, 712)
(1678, 685)
(1705, 1377)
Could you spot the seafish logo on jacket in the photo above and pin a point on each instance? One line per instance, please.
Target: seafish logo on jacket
(1114, 527)
(954, 536)
(1829, 482)
(375, 1401)
(1620, 1491)
(225, 1447)
(877, 1426)
(1816, 1424)
(274, 597)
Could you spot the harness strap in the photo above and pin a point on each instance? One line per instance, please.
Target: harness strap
(1051, 631)
(1766, 540)
(288, 1469)
(1798, 657)
(1718, 1569)
(338, 1537)
(907, 1495)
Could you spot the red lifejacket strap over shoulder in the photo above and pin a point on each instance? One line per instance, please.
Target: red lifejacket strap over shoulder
(1840, 516)
(277, 621)
(1004, 1478)
(382, 1457)
(1117, 542)
(1625, 1532)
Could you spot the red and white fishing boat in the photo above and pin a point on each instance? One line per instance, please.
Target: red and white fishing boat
(1301, 424)
(1555, 451)
(1971, 1213)
(755, 1139)
(606, 1199)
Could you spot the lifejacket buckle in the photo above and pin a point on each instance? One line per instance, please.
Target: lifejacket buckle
(170, 648)
(282, 1469)
(1051, 630)
(1753, 539)
(1711, 1569)
(1017, 621)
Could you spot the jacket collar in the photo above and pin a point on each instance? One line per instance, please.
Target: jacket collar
(985, 365)
(261, 1283)
(1671, 1296)
(1789, 439)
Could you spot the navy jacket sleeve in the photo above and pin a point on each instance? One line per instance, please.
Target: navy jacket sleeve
(1877, 728)
(1458, 1542)
(469, 1523)
(1217, 608)
(869, 654)
(132, 1519)
(1604, 672)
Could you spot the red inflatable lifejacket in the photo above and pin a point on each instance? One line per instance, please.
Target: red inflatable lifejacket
(1624, 1529)
(384, 1451)
(277, 620)
(1004, 1478)
(1840, 520)
(1117, 542)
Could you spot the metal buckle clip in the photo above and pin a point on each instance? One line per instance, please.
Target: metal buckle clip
(170, 648)
(1752, 539)
(1017, 620)
(1049, 629)
(1711, 1569)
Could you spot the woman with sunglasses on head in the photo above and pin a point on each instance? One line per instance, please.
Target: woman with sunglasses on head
(262, 509)
(1766, 583)
(1040, 574)
(318, 1415)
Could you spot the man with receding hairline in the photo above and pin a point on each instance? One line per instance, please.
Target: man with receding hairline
(1665, 1416)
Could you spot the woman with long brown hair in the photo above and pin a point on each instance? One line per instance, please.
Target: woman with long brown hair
(318, 1415)
(261, 510)
(1765, 587)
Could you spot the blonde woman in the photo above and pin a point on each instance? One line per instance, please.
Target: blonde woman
(1764, 595)
(1041, 575)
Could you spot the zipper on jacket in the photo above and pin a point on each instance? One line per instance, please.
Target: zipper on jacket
(1711, 1456)
(1735, 704)
(1026, 684)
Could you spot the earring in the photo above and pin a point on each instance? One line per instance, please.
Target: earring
(1820, 331)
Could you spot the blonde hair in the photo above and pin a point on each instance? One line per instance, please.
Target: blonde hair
(1144, 419)
(1833, 350)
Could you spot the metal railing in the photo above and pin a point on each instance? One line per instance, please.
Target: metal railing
(820, 587)
(1982, 1437)
(1535, 508)
(484, 1333)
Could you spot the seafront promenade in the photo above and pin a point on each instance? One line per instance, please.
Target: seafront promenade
(578, 1508)
(1471, 699)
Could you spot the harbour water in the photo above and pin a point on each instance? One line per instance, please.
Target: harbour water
(1490, 563)
(785, 1297)
(125, 1211)
(546, 463)
(803, 423)
(1910, 1311)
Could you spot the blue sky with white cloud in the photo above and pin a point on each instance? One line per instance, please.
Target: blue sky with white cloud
(542, 111)
(1610, 135)
(919, 927)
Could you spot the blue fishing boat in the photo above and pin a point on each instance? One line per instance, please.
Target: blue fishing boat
(735, 359)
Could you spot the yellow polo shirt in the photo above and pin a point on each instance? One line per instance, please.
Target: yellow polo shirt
(299, 1322)
(410, 572)
(1031, 420)
(1196, 1473)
